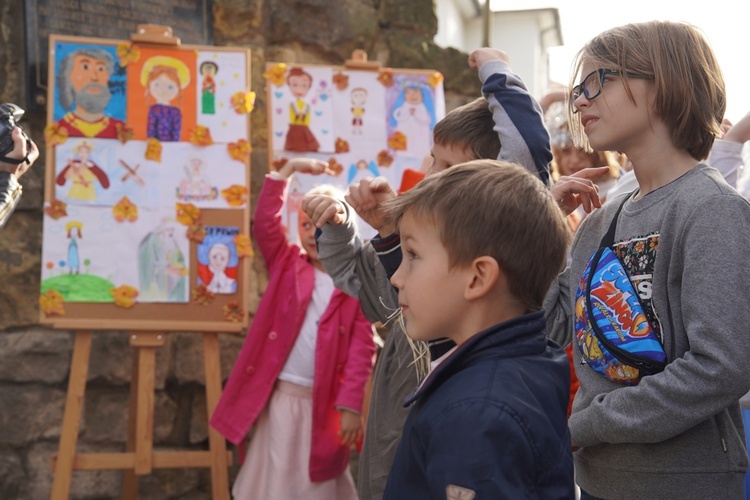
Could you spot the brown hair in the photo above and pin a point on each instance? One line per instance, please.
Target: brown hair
(170, 73)
(690, 92)
(298, 72)
(470, 128)
(506, 213)
(600, 159)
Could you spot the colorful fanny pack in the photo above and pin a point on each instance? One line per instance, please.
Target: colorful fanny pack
(612, 330)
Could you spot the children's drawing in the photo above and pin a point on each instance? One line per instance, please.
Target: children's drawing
(298, 136)
(208, 70)
(82, 174)
(74, 230)
(162, 266)
(131, 173)
(195, 186)
(359, 99)
(360, 170)
(164, 77)
(218, 261)
(413, 114)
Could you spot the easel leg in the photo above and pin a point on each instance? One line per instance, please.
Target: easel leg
(129, 479)
(79, 367)
(217, 443)
(144, 412)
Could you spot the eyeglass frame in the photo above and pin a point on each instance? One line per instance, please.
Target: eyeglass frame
(580, 89)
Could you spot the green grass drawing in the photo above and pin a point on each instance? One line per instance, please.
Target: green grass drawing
(80, 287)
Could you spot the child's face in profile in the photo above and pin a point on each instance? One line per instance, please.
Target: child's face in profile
(445, 156)
(163, 89)
(306, 231)
(430, 293)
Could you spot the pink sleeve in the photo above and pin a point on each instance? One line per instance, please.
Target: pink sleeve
(358, 364)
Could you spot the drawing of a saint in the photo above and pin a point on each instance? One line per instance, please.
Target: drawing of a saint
(299, 137)
(162, 271)
(83, 90)
(361, 170)
(218, 262)
(74, 231)
(164, 78)
(194, 185)
(82, 174)
(414, 115)
(208, 88)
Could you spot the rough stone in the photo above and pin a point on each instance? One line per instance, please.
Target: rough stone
(198, 420)
(112, 359)
(29, 412)
(188, 356)
(35, 355)
(168, 483)
(12, 475)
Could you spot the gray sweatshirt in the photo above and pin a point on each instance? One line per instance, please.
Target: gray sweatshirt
(678, 433)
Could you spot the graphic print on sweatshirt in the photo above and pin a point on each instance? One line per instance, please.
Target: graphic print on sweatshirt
(638, 256)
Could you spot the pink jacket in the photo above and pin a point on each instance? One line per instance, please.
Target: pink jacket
(343, 353)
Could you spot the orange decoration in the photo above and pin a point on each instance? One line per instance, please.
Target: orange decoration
(55, 134)
(277, 164)
(124, 133)
(336, 167)
(51, 302)
(243, 102)
(240, 150)
(201, 295)
(235, 195)
(127, 53)
(276, 74)
(341, 145)
(385, 159)
(341, 81)
(201, 136)
(56, 209)
(386, 77)
(397, 141)
(233, 312)
(244, 245)
(124, 296)
(188, 214)
(435, 79)
(125, 210)
(153, 150)
(196, 232)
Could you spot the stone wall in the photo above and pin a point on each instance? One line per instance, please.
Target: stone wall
(35, 361)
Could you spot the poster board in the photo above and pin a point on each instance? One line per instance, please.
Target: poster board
(363, 119)
(147, 210)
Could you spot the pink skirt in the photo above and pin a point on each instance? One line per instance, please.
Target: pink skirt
(278, 456)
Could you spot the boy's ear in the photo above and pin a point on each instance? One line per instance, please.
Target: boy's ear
(484, 272)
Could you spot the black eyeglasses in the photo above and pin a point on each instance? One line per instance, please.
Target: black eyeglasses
(592, 85)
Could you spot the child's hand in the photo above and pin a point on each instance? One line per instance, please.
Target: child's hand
(570, 191)
(366, 198)
(305, 166)
(480, 56)
(351, 427)
(322, 208)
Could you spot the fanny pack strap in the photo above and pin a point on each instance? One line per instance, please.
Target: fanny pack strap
(609, 237)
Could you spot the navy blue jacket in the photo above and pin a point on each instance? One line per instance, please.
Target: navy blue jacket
(491, 418)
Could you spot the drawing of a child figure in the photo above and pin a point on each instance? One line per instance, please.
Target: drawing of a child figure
(208, 88)
(164, 77)
(194, 186)
(74, 230)
(414, 116)
(82, 173)
(299, 137)
(359, 98)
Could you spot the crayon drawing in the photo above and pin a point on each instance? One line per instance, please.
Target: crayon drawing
(218, 261)
(220, 76)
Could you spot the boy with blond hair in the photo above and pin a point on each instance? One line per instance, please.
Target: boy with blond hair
(489, 421)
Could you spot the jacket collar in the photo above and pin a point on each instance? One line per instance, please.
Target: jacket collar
(516, 337)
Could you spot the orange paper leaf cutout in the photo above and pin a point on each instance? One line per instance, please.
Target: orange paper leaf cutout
(125, 210)
(235, 195)
(240, 150)
(243, 102)
(385, 77)
(277, 164)
(244, 245)
(233, 312)
(188, 214)
(51, 302)
(435, 79)
(397, 141)
(57, 209)
(385, 159)
(341, 81)
(55, 134)
(335, 167)
(341, 146)
(201, 136)
(201, 295)
(153, 150)
(124, 296)
(127, 53)
(196, 232)
(124, 133)
(276, 74)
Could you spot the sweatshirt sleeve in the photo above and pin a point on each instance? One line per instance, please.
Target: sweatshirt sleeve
(712, 306)
(267, 228)
(518, 119)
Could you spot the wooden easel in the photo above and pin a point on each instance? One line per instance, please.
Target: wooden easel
(139, 457)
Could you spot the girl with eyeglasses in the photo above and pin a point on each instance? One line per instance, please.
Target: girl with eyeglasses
(654, 92)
